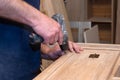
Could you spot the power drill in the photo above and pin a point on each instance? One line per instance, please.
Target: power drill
(36, 40)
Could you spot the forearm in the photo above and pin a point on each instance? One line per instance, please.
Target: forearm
(20, 11)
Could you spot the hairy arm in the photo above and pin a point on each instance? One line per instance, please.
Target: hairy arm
(20, 11)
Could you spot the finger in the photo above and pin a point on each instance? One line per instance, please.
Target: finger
(46, 40)
(71, 47)
(56, 38)
(53, 38)
(76, 48)
(51, 41)
(60, 37)
(81, 49)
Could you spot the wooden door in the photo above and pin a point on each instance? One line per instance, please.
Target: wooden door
(117, 39)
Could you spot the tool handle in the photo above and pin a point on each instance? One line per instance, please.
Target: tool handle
(60, 19)
(35, 41)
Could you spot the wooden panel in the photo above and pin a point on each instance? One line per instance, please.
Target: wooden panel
(103, 11)
(99, 8)
(114, 16)
(51, 7)
(104, 32)
(73, 66)
(100, 19)
(75, 33)
(118, 24)
(76, 10)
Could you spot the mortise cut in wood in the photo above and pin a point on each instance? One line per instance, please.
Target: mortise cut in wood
(94, 55)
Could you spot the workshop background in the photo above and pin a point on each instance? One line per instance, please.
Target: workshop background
(87, 21)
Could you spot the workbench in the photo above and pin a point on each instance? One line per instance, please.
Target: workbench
(96, 62)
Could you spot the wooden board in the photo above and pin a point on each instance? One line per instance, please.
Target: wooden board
(73, 66)
(104, 32)
(117, 39)
(75, 33)
(99, 8)
(76, 10)
(104, 11)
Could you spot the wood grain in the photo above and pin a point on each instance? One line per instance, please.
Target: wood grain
(73, 66)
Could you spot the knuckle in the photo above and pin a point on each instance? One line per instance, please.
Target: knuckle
(59, 27)
(48, 36)
(57, 30)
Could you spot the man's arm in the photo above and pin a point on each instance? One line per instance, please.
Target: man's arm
(20, 11)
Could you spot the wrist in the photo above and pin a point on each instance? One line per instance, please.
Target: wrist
(35, 19)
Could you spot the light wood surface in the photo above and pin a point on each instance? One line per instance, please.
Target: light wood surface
(73, 66)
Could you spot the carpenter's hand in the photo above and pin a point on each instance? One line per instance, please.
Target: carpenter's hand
(49, 29)
(55, 52)
(51, 53)
(73, 47)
